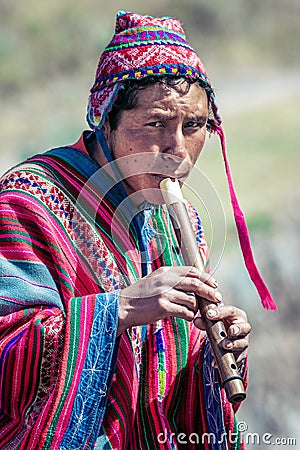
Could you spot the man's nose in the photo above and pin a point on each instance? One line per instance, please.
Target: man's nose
(175, 145)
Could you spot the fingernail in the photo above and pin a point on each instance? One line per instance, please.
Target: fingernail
(212, 313)
(235, 330)
(214, 282)
(229, 344)
(218, 296)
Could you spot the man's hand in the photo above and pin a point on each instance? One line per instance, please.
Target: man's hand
(237, 327)
(170, 291)
(166, 292)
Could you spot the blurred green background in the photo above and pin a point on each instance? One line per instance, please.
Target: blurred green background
(48, 56)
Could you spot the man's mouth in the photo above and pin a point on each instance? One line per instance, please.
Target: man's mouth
(161, 176)
(180, 177)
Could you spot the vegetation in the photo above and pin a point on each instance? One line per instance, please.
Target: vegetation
(42, 40)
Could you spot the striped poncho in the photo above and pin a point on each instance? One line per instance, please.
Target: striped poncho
(66, 380)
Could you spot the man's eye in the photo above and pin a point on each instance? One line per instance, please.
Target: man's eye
(156, 124)
(192, 124)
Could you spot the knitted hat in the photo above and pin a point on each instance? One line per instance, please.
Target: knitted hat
(144, 46)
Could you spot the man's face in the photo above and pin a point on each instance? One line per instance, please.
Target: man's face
(161, 137)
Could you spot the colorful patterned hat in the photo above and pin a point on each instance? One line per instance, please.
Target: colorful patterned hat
(143, 46)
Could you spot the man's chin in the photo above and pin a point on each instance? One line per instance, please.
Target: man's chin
(153, 196)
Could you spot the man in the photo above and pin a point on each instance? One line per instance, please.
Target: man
(101, 342)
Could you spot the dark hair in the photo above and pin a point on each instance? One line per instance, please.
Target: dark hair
(127, 96)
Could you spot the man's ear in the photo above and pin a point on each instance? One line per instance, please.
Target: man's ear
(106, 129)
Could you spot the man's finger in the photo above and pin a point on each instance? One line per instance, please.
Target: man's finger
(239, 330)
(198, 322)
(238, 345)
(229, 313)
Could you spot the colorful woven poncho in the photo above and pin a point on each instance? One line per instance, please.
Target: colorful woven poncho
(66, 381)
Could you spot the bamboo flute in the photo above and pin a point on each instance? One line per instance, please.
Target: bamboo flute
(230, 378)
